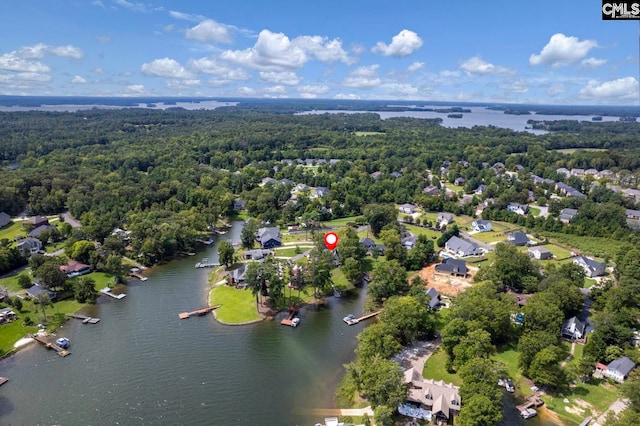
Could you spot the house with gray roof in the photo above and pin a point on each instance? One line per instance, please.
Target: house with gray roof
(521, 209)
(442, 399)
(573, 328)
(481, 225)
(539, 253)
(434, 298)
(453, 267)
(238, 204)
(407, 208)
(268, 181)
(5, 219)
(592, 268)
(238, 274)
(567, 215)
(518, 238)
(368, 243)
(35, 233)
(269, 237)
(36, 289)
(619, 369)
(256, 254)
(444, 219)
(462, 248)
(29, 246)
(431, 190)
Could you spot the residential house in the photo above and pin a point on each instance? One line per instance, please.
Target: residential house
(444, 171)
(409, 242)
(537, 180)
(567, 215)
(577, 172)
(531, 197)
(592, 268)
(321, 161)
(442, 399)
(75, 269)
(7, 315)
(607, 174)
(28, 246)
(539, 253)
(632, 193)
(35, 233)
(633, 214)
(407, 208)
(396, 175)
(564, 189)
(36, 221)
(481, 189)
(563, 171)
(376, 175)
(257, 254)
(444, 219)
(480, 225)
(320, 192)
(498, 165)
(455, 267)
(573, 328)
(619, 369)
(268, 181)
(309, 161)
(462, 248)
(301, 187)
(36, 289)
(431, 190)
(521, 209)
(434, 298)
(5, 219)
(464, 163)
(333, 161)
(518, 238)
(238, 204)
(269, 237)
(286, 181)
(237, 276)
(459, 181)
(591, 172)
(446, 163)
(368, 243)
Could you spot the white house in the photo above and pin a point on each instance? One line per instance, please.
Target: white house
(407, 208)
(592, 268)
(539, 253)
(619, 369)
(481, 225)
(521, 209)
(573, 329)
(444, 219)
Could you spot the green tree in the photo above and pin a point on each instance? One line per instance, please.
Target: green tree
(85, 290)
(389, 278)
(479, 410)
(631, 390)
(509, 268)
(541, 313)
(318, 271)
(476, 344)
(379, 215)
(380, 380)
(352, 270)
(545, 368)
(377, 339)
(248, 233)
(226, 252)
(17, 303)
(452, 334)
(530, 344)
(407, 318)
(82, 251)
(24, 281)
(50, 274)
(383, 415)
(43, 300)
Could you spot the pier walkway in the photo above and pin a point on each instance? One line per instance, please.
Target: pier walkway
(107, 291)
(198, 312)
(47, 344)
(85, 319)
(362, 318)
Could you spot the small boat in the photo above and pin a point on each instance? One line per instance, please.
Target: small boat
(295, 322)
(63, 342)
(508, 384)
(528, 413)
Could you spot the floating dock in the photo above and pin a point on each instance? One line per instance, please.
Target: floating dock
(138, 276)
(206, 264)
(199, 312)
(47, 344)
(362, 318)
(3, 380)
(107, 291)
(530, 402)
(85, 319)
(290, 320)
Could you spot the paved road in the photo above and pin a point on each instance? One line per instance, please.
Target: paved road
(71, 220)
(616, 406)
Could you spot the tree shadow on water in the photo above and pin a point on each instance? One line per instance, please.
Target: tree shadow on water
(6, 406)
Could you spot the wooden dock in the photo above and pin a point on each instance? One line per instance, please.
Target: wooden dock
(3, 380)
(199, 312)
(47, 344)
(107, 291)
(362, 318)
(531, 401)
(85, 319)
(289, 320)
(204, 263)
(138, 276)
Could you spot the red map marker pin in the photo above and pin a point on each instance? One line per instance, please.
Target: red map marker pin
(331, 240)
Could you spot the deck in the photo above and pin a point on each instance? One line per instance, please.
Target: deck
(47, 344)
(362, 318)
(85, 319)
(107, 291)
(138, 276)
(206, 264)
(198, 312)
(531, 401)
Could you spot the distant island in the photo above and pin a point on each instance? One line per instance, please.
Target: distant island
(455, 115)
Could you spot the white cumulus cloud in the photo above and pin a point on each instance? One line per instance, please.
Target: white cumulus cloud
(218, 68)
(349, 96)
(79, 80)
(365, 77)
(209, 30)
(276, 52)
(591, 63)
(288, 78)
(27, 59)
(415, 66)
(622, 88)
(403, 44)
(165, 67)
(183, 84)
(137, 89)
(476, 65)
(562, 50)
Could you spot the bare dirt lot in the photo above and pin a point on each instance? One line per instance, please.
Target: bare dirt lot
(445, 284)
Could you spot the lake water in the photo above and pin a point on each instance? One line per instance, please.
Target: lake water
(142, 365)
(479, 116)
(155, 105)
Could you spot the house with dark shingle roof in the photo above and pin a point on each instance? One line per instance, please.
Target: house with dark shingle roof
(434, 298)
(35, 233)
(518, 238)
(269, 237)
(431, 190)
(481, 225)
(453, 267)
(75, 269)
(29, 246)
(592, 268)
(573, 328)
(36, 221)
(36, 289)
(407, 208)
(5, 219)
(567, 215)
(368, 243)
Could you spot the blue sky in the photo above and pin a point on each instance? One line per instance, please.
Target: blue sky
(502, 51)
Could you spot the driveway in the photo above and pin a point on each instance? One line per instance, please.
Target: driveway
(71, 220)
(468, 237)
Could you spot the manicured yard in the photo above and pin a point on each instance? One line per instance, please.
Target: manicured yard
(435, 368)
(238, 306)
(418, 230)
(102, 279)
(290, 251)
(583, 400)
(11, 282)
(368, 234)
(14, 331)
(297, 237)
(509, 357)
(12, 231)
(489, 237)
(559, 252)
(339, 280)
(340, 222)
(534, 211)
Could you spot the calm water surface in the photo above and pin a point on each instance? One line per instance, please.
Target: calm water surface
(142, 365)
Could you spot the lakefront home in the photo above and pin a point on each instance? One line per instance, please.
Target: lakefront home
(269, 237)
(573, 328)
(442, 399)
(75, 269)
(618, 369)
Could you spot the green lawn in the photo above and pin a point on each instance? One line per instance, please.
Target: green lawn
(102, 279)
(418, 230)
(291, 251)
(12, 231)
(535, 212)
(340, 222)
(368, 234)
(339, 280)
(238, 306)
(435, 368)
(598, 396)
(298, 237)
(595, 246)
(489, 237)
(11, 282)
(509, 357)
(559, 252)
(12, 332)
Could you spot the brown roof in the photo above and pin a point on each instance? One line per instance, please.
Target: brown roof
(73, 266)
